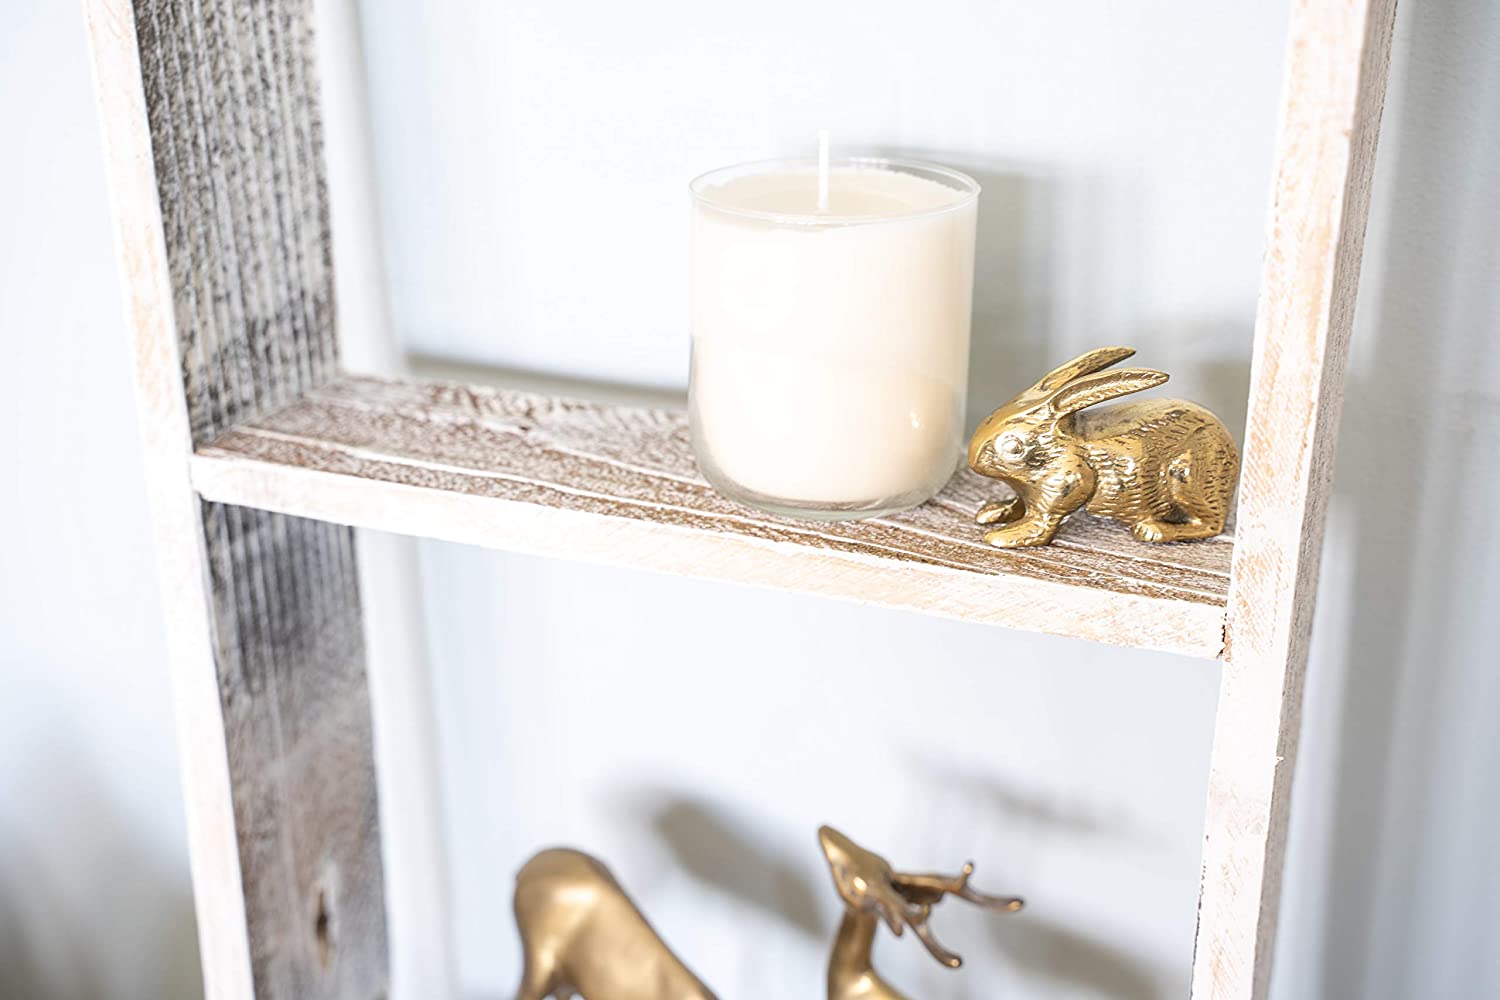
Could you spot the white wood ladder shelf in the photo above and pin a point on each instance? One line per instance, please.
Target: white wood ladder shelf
(261, 454)
(537, 474)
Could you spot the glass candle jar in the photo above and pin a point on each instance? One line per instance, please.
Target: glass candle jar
(830, 332)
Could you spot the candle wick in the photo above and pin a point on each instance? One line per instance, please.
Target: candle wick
(823, 170)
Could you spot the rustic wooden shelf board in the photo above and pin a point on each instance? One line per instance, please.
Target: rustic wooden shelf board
(544, 475)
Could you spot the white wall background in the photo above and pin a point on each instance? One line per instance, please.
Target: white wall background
(530, 160)
(95, 899)
(534, 157)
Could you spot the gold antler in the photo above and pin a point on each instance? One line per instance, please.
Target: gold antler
(923, 931)
(926, 890)
(1009, 904)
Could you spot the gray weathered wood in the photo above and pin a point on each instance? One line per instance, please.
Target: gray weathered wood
(615, 483)
(1337, 58)
(210, 115)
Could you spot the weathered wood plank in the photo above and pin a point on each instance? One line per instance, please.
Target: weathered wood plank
(1330, 120)
(209, 113)
(561, 477)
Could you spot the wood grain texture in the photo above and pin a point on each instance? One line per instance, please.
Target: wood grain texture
(1333, 94)
(618, 484)
(209, 113)
(289, 653)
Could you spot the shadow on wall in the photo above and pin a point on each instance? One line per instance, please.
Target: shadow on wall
(1027, 808)
(1040, 948)
(31, 917)
(53, 922)
(1013, 255)
(1023, 322)
(1413, 471)
(1010, 344)
(1223, 384)
(710, 845)
(1049, 952)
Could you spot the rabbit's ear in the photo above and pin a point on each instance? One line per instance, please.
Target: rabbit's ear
(1091, 389)
(1084, 364)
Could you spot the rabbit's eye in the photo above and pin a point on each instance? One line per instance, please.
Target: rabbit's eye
(1011, 447)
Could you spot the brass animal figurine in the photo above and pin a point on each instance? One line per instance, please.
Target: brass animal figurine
(872, 892)
(1165, 467)
(580, 934)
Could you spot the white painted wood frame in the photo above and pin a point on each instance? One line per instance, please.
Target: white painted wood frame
(1338, 55)
(263, 456)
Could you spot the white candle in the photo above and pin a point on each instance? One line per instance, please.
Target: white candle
(830, 326)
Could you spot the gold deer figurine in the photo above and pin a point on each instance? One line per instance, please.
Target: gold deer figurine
(872, 892)
(1165, 467)
(580, 934)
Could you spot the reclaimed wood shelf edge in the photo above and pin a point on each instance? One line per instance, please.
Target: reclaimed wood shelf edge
(617, 484)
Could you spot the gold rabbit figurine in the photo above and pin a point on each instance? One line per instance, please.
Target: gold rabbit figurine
(872, 892)
(580, 934)
(1165, 467)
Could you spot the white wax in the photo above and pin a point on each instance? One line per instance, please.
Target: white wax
(830, 350)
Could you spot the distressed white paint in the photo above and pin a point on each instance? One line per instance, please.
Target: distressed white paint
(1337, 62)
